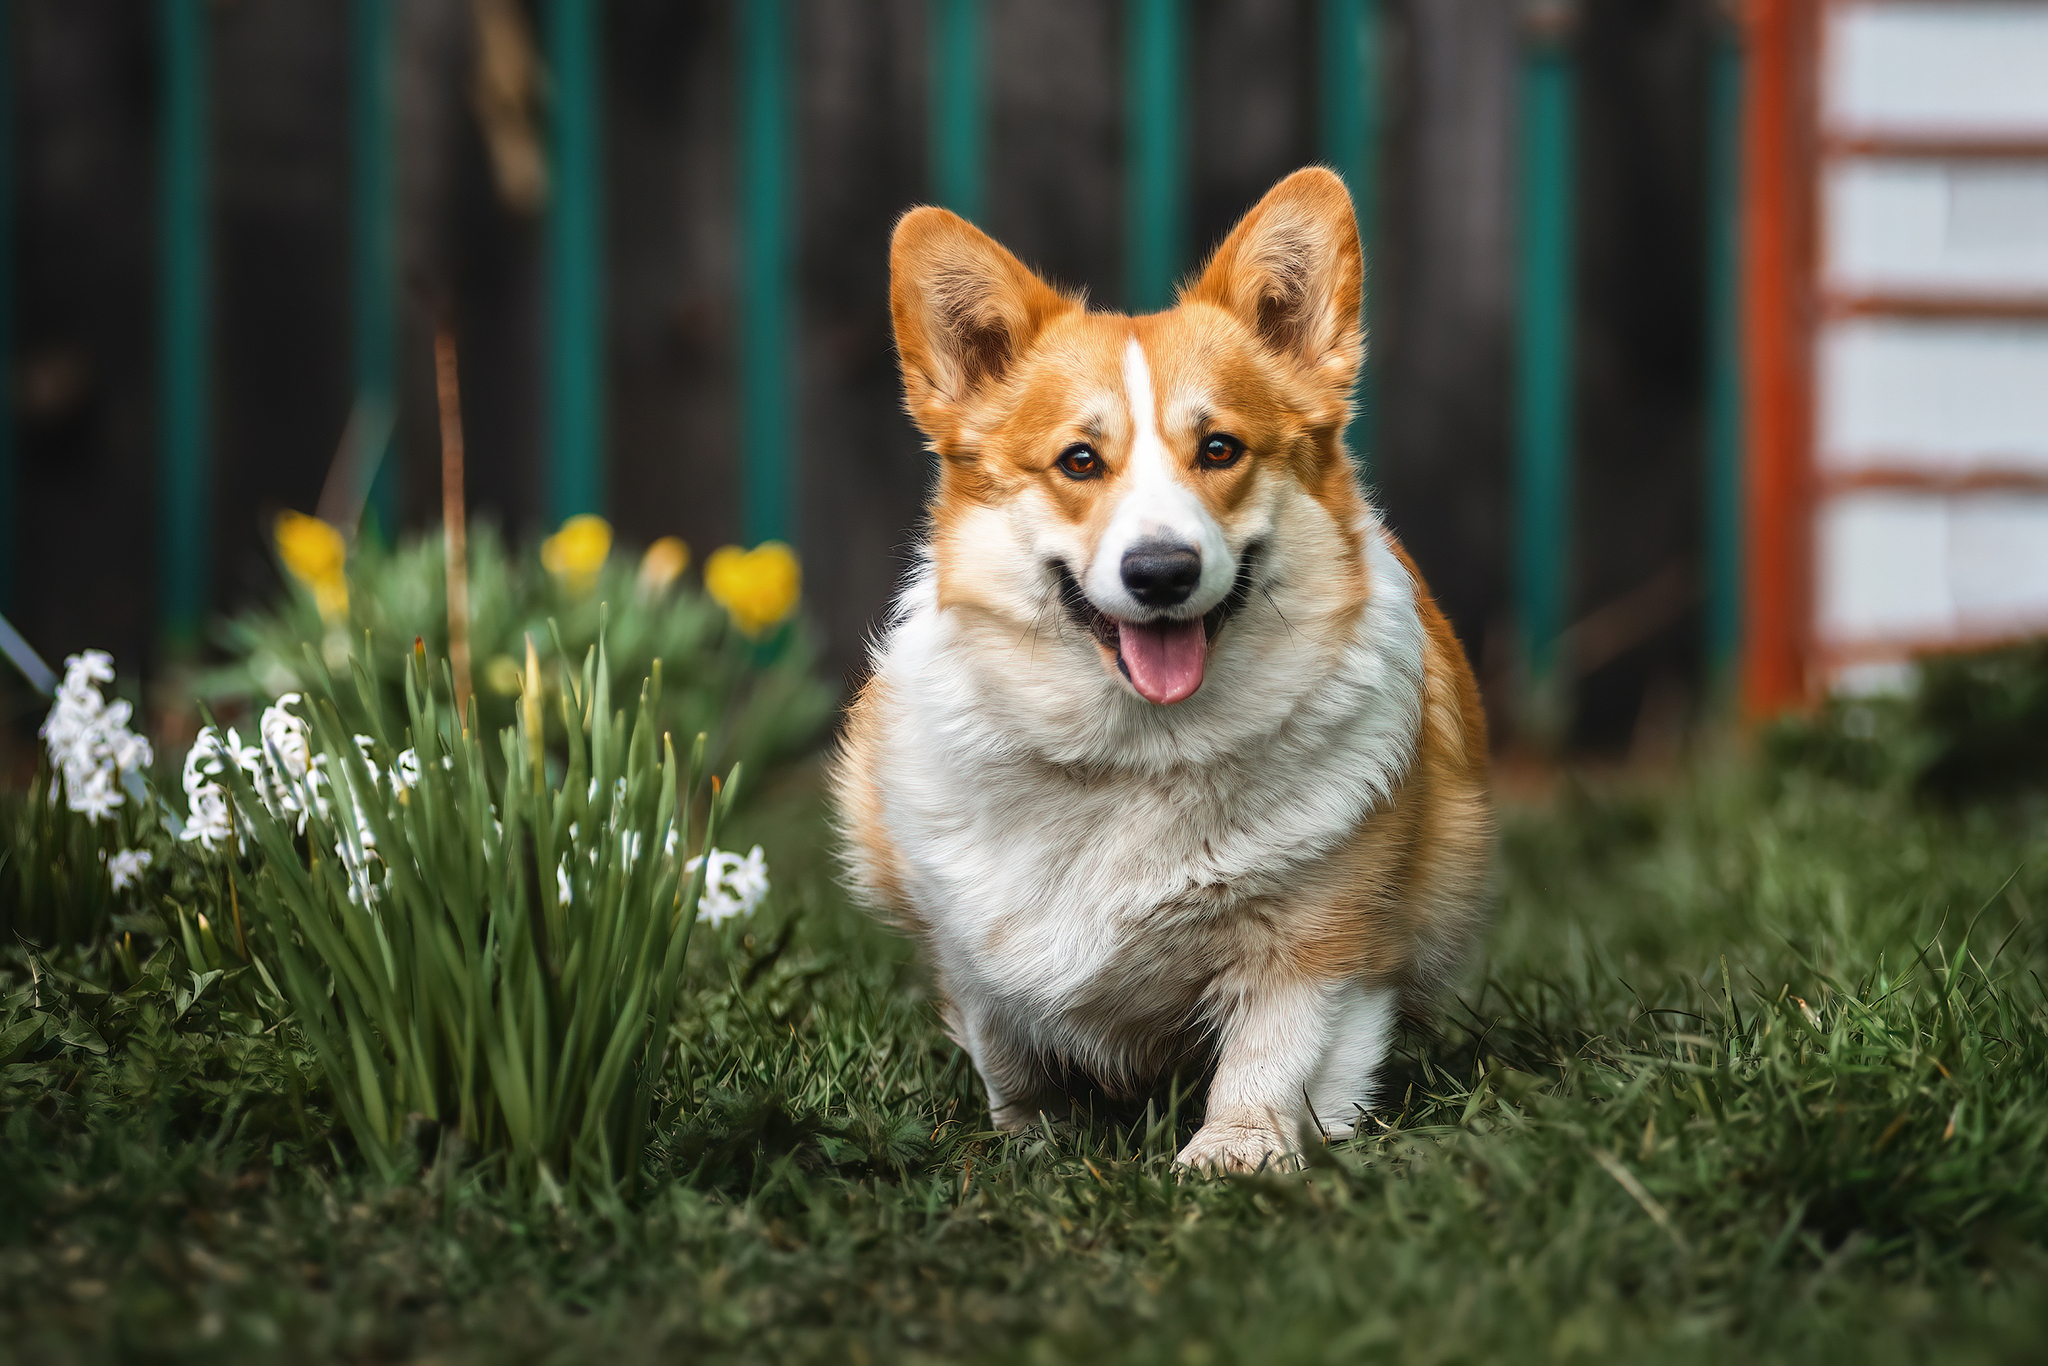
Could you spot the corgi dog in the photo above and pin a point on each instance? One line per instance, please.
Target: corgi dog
(1166, 757)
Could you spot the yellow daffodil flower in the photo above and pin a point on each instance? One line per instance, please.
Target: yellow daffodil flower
(317, 557)
(662, 565)
(576, 552)
(758, 587)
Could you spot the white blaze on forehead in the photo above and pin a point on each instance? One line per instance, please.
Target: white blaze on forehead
(1148, 452)
(1154, 505)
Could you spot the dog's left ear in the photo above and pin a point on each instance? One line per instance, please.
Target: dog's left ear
(1292, 271)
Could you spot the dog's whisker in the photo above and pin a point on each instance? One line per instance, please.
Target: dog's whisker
(1272, 602)
(1047, 601)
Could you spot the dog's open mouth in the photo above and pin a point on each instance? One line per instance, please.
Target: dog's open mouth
(1164, 660)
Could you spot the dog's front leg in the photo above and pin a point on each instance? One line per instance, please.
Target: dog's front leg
(1290, 1051)
(1011, 1071)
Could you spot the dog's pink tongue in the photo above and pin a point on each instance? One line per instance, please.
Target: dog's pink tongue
(1164, 659)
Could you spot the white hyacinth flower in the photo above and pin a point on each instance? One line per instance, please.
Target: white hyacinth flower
(88, 738)
(356, 861)
(292, 782)
(126, 867)
(131, 752)
(748, 878)
(287, 739)
(95, 798)
(207, 821)
(563, 889)
(248, 758)
(208, 758)
(366, 834)
(733, 886)
(293, 777)
(96, 666)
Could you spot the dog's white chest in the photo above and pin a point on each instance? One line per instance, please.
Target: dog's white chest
(1084, 865)
(1042, 891)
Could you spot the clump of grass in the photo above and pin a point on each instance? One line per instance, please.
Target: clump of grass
(53, 872)
(494, 950)
(1987, 717)
(1969, 729)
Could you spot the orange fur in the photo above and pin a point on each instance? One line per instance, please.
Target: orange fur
(1401, 902)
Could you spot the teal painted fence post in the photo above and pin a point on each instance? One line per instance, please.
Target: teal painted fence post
(373, 208)
(1723, 529)
(184, 325)
(956, 118)
(1544, 371)
(765, 513)
(10, 469)
(1350, 116)
(575, 480)
(1155, 162)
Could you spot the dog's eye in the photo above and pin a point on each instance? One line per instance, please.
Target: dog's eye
(1079, 462)
(1220, 452)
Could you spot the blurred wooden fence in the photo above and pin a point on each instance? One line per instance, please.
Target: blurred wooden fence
(660, 230)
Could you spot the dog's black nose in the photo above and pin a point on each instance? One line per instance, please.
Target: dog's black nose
(1160, 574)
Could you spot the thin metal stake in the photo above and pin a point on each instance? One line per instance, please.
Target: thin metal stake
(23, 656)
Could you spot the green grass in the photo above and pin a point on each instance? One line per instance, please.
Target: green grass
(1753, 1069)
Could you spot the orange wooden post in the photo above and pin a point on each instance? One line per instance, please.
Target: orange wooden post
(1777, 257)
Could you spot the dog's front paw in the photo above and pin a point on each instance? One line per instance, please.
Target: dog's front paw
(1015, 1118)
(1227, 1147)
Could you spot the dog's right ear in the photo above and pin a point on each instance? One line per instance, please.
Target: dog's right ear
(965, 311)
